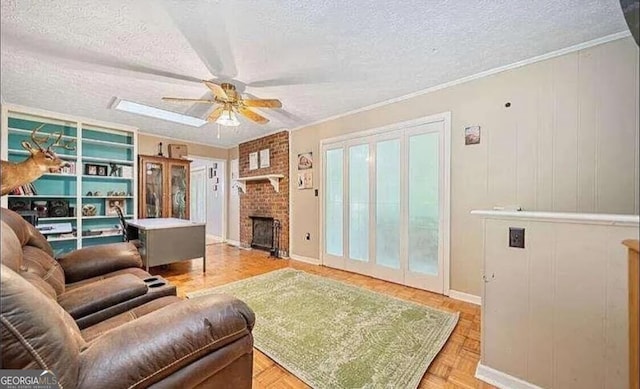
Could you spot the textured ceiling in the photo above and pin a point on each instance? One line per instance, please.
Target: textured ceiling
(320, 58)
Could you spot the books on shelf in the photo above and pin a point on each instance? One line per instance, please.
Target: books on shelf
(25, 190)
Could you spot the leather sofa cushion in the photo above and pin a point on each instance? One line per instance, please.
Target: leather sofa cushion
(100, 295)
(98, 260)
(95, 331)
(26, 233)
(140, 273)
(36, 332)
(40, 284)
(39, 262)
(11, 248)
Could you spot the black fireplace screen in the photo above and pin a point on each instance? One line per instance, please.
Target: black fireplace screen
(265, 234)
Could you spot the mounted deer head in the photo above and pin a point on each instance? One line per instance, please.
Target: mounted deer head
(41, 160)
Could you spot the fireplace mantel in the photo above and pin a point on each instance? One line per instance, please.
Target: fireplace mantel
(274, 179)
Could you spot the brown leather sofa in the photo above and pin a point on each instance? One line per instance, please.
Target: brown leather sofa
(92, 284)
(163, 343)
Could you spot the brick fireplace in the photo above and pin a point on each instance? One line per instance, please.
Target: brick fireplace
(260, 199)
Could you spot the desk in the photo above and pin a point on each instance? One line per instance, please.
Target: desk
(168, 240)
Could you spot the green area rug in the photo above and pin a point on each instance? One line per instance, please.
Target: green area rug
(333, 335)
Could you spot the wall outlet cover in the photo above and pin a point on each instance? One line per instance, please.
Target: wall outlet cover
(516, 237)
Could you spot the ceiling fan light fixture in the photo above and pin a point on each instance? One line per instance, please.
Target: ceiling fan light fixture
(228, 119)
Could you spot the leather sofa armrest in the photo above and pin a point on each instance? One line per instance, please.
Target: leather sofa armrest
(160, 343)
(98, 260)
(96, 296)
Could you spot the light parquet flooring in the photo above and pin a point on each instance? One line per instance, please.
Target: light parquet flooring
(453, 368)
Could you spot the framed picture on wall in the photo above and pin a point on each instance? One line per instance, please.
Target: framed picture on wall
(111, 205)
(253, 161)
(472, 135)
(264, 158)
(305, 161)
(305, 180)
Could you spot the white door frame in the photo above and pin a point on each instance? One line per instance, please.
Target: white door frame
(225, 198)
(445, 118)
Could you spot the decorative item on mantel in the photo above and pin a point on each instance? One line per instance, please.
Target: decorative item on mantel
(160, 150)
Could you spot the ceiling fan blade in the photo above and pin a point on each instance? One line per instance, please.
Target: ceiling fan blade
(216, 89)
(180, 99)
(215, 114)
(210, 41)
(262, 103)
(249, 114)
(106, 63)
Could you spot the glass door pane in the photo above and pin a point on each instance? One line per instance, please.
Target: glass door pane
(424, 178)
(153, 189)
(359, 202)
(179, 191)
(388, 227)
(334, 202)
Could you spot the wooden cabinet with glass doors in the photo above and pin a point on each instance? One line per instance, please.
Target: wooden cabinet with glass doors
(164, 187)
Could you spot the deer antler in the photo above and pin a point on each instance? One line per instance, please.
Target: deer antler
(67, 145)
(39, 141)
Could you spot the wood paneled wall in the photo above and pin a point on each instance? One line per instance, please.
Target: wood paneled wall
(555, 313)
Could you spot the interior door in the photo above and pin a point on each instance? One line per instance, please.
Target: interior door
(425, 211)
(198, 203)
(233, 229)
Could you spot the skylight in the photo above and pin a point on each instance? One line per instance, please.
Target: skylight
(141, 109)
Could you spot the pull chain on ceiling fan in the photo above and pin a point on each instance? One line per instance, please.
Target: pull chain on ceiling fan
(230, 103)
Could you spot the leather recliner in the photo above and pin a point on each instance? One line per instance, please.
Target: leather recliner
(165, 343)
(93, 283)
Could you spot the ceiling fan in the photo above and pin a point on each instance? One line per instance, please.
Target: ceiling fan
(230, 102)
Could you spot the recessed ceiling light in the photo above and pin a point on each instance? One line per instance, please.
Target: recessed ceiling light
(141, 109)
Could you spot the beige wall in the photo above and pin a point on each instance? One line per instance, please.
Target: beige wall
(569, 142)
(148, 144)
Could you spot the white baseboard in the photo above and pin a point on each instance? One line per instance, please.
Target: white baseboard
(470, 298)
(313, 261)
(501, 380)
(233, 242)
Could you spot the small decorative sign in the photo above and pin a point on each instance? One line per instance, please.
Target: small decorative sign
(264, 158)
(472, 135)
(305, 180)
(253, 161)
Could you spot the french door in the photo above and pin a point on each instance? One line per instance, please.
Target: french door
(386, 204)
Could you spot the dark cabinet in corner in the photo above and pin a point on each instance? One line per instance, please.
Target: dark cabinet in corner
(163, 187)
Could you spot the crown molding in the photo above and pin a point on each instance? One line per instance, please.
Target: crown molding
(500, 69)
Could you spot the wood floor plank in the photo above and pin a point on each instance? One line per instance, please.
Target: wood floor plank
(454, 366)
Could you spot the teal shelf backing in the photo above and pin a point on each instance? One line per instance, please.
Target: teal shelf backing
(106, 135)
(61, 247)
(68, 129)
(96, 240)
(107, 151)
